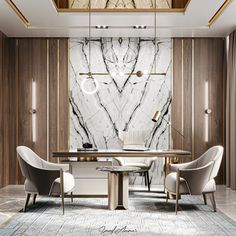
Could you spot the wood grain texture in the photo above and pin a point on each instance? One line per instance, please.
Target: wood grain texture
(39, 75)
(53, 95)
(1, 109)
(21, 62)
(63, 95)
(208, 61)
(7, 114)
(177, 105)
(179, 3)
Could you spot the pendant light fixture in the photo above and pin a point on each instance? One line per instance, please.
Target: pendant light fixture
(139, 73)
(89, 80)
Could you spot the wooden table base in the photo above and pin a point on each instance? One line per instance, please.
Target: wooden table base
(118, 191)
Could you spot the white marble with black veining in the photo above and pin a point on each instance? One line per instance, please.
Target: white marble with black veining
(122, 102)
(132, 4)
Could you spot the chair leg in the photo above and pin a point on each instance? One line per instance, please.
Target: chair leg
(145, 178)
(148, 181)
(26, 201)
(177, 191)
(167, 196)
(204, 198)
(213, 202)
(34, 199)
(71, 196)
(62, 191)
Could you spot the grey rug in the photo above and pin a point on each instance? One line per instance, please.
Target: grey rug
(148, 214)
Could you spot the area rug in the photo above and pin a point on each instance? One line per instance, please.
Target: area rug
(147, 215)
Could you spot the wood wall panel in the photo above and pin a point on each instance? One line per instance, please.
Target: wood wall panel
(177, 105)
(179, 3)
(197, 62)
(53, 96)
(63, 93)
(39, 75)
(8, 160)
(1, 110)
(23, 61)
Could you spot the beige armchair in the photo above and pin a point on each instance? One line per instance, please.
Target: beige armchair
(42, 177)
(196, 177)
(136, 138)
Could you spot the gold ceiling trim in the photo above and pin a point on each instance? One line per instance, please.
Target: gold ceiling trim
(219, 12)
(119, 10)
(18, 12)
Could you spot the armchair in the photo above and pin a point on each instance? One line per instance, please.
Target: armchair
(196, 177)
(42, 177)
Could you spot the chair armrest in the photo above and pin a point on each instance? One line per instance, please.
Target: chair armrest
(188, 165)
(196, 178)
(120, 160)
(54, 166)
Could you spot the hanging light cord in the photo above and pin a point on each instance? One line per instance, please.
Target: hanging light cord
(90, 36)
(155, 37)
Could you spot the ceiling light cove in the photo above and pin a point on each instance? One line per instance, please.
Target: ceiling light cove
(101, 27)
(140, 27)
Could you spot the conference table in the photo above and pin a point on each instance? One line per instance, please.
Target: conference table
(172, 154)
(117, 184)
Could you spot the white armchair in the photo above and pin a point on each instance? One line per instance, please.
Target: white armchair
(196, 177)
(136, 138)
(42, 177)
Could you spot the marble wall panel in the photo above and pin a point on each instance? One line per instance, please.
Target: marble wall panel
(123, 102)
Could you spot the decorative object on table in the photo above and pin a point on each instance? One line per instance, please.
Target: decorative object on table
(73, 159)
(118, 185)
(87, 149)
(87, 145)
(196, 177)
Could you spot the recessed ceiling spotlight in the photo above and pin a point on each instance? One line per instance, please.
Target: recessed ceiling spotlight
(140, 27)
(101, 27)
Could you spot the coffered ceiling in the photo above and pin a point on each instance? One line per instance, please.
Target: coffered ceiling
(42, 19)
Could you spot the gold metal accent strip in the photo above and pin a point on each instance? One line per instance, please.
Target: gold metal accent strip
(48, 103)
(120, 10)
(18, 12)
(219, 12)
(193, 101)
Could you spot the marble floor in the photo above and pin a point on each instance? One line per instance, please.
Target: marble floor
(12, 201)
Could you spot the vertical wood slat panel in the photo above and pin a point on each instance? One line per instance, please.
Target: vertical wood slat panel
(25, 94)
(187, 94)
(24, 61)
(63, 95)
(201, 76)
(8, 160)
(208, 66)
(6, 114)
(12, 85)
(39, 75)
(1, 110)
(176, 108)
(216, 91)
(53, 96)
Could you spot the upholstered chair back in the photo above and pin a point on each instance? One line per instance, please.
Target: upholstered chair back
(214, 154)
(32, 169)
(135, 137)
(29, 156)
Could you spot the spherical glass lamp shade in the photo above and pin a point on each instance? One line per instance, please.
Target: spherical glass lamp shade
(89, 85)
